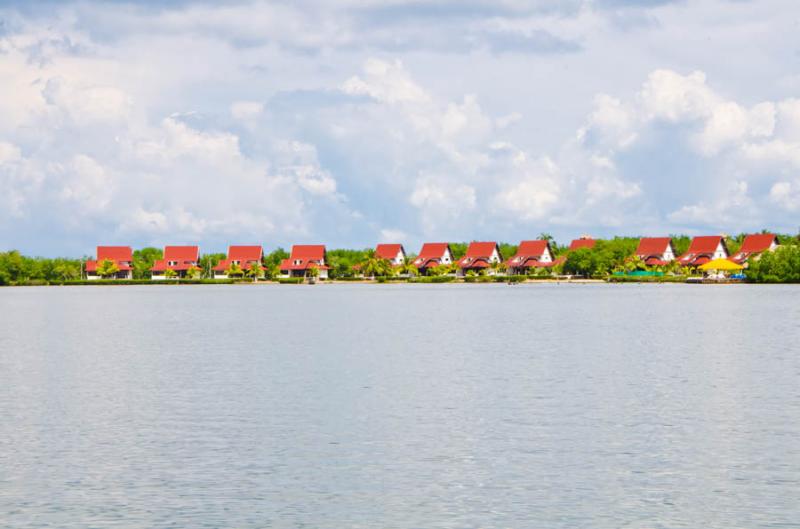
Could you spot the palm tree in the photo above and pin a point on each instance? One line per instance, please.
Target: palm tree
(312, 273)
(234, 270)
(255, 271)
(107, 268)
(169, 273)
(193, 272)
(406, 268)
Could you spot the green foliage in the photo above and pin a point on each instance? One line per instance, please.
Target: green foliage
(780, 266)
(107, 268)
(680, 243)
(290, 280)
(234, 270)
(169, 273)
(603, 258)
(143, 261)
(193, 272)
(342, 262)
(459, 249)
(209, 261)
(274, 258)
(17, 269)
(374, 266)
(254, 271)
(508, 250)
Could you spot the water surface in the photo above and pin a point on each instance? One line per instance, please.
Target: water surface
(400, 406)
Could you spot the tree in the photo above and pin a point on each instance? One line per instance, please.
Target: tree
(193, 272)
(169, 273)
(209, 261)
(254, 271)
(143, 260)
(66, 271)
(107, 268)
(312, 273)
(374, 266)
(406, 268)
(234, 270)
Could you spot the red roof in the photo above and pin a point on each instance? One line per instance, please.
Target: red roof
(702, 249)
(245, 255)
(653, 246)
(754, 244)
(582, 243)
(530, 254)
(185, 258)
(115, 253)
(305, 256)
(478, 255)
(431, 254)
(121, 255)
(389, 251)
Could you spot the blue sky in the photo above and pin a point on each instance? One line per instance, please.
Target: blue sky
(361, 121)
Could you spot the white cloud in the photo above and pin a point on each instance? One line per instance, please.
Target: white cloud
(246, 110)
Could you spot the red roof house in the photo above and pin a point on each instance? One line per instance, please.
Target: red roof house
(432, 255)
(243, 256)
(394, 253)
(122, 256)
(531, 254)
(303, 258)
(704, 249)
(177, 258)
(479, 256)
(755, 245)
(583, 242)
(655, 251)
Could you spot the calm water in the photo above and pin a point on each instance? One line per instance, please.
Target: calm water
(400, 406)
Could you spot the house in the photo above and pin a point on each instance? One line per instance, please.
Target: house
(242, 256)
(177, 258)
(433, 254)
(704, 249)
(394, 253)
(531, 254)
(656, 251)
(121, 256)
(303, 258)
(479, 257)
(585, 241)
(755, 245)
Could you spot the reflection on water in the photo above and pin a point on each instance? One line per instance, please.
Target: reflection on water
(400, 406)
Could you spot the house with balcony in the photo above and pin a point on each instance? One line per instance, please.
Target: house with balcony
(433, 254)
(179, 259)
(303, 258)
(754, 245)
(241, 256)
(531, 254)
(480, 257)
(655, 251)
(704, 249)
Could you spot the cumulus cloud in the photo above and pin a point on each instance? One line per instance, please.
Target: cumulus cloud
(337, 122)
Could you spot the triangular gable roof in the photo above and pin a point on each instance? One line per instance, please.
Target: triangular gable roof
(389, 251)
(434, 250)
(754, 244)
(652, 246)
(758, 242)
(182, 253)
(530, 251)
(582, 243)
(114, 253)
(702, 249)
(305, 256)
(244, 254)
(479, 254)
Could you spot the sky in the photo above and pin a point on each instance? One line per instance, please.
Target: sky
(362, 121)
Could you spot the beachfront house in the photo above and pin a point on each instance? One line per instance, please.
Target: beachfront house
(242, 256)
(531, 254)
(433, 254)
(704, 249)
(121, 256)
(394, 253)
(179, 259)
(480, 257)
(656, 251)
(585, 241)
(754, 245)
(303, 258)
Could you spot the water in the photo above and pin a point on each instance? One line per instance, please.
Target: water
(400, 406)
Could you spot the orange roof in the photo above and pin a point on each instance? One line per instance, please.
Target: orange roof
(754, 244)
(244, 254)
(529, 253)
(181, 253)
(433, 250)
